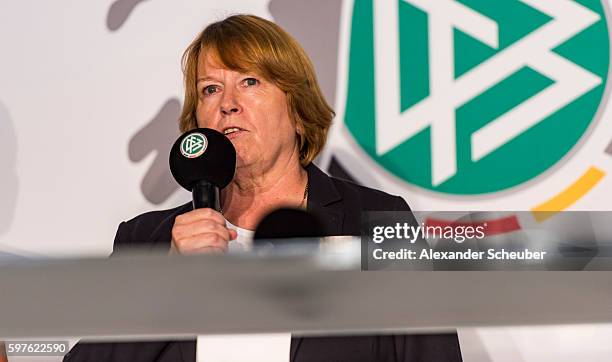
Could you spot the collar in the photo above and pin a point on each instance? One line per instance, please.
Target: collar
(324, 201)
(322, 191)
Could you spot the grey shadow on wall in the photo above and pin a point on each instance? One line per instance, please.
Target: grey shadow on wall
(609, 149)
(315, 25)
(118, 13)
(157, 136)
(9, 184)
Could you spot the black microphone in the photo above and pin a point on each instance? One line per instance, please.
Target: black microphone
(285, 223)
(203, 161)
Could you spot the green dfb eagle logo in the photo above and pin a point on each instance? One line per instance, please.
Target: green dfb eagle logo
(474, 96)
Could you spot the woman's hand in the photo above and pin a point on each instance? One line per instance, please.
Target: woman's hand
(200, 231)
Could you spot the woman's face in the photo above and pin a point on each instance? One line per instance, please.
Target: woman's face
(249, 110)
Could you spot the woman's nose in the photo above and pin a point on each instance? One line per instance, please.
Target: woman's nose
(229, 103)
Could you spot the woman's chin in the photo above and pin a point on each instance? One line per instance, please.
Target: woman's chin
(241, 162)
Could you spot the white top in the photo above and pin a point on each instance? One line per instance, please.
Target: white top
(244, 241)
(243, 347)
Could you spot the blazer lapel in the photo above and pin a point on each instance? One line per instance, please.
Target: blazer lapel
(188, 351)
(178, 351)
(324, 200)
(162, 234)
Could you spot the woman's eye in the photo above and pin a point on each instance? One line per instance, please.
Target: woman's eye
(208, 90)
(250, 82)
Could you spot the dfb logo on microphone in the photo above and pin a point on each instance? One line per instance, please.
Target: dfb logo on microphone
(194, 145)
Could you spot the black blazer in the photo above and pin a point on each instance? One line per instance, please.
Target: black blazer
(339, 204)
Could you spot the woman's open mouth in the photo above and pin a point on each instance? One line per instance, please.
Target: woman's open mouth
(232, 132)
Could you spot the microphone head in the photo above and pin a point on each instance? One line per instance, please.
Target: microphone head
(203, 154)
(288, 223)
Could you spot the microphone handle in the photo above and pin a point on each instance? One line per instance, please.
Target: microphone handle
(205, 194)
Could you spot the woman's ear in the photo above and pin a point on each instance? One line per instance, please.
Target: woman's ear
(299, 129)
(301, 139)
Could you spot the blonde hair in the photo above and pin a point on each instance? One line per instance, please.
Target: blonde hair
(248, 43)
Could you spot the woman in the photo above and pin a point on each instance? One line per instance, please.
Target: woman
(247, 78)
